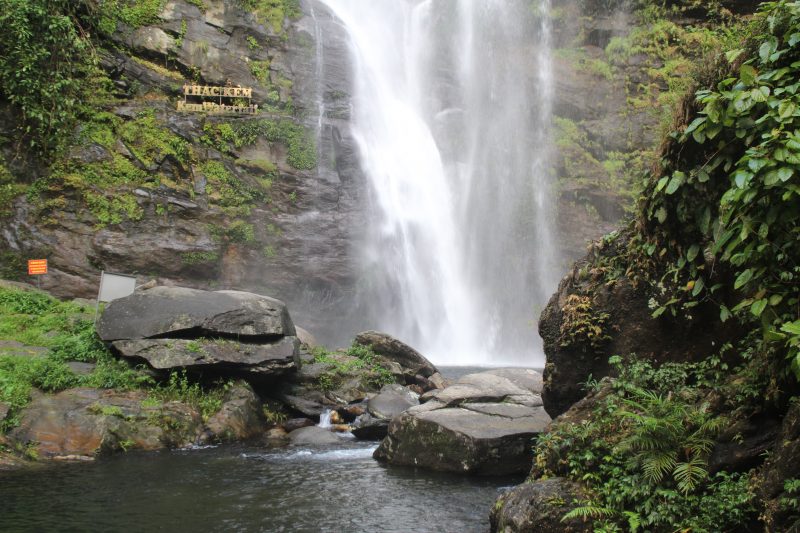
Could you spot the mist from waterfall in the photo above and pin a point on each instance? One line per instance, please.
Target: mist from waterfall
(452, 103)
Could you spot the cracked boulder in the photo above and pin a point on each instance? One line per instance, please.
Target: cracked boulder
(483, 424)
(177, 311)
(223, 333)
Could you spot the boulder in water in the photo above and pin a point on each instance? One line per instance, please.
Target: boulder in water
(313, 436)
(482, 424)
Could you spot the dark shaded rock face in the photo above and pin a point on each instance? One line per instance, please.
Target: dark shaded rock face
(634, 331)
(226, 333)
(782, 465)
(539, 507)
(483, 424)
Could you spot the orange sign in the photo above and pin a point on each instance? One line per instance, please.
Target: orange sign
(37, 267)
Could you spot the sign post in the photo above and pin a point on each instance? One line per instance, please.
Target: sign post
(113, 286)
(37, 267)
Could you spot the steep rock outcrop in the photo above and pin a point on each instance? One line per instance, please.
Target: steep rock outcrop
(622, 313)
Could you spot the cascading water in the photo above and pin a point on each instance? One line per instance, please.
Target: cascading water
(452, 105)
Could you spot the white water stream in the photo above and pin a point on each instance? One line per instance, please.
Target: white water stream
(452, 102)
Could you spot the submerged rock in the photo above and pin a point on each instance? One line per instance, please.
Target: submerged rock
(313, 436)
(483, 424)
(539, 507)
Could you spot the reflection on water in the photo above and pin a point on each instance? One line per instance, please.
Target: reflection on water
(245, 489)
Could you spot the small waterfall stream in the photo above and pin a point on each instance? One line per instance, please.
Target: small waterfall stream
(452, 102)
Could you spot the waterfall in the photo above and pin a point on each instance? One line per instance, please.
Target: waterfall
(452, 103)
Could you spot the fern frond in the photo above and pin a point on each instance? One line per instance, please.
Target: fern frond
(656, 466)
(588, 511)
(690, 474)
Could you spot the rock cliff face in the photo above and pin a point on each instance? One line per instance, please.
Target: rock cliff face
(202, 200)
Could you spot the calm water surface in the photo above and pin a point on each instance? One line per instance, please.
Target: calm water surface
(245, 489)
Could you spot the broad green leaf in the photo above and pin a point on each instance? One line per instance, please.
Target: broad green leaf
(661, 215)
(733, 55)
(786, 109)
(662, 183)
(793, 40)
(675, 182)
(793, 328)
(748, 74)
(758, 306)
(743, 279)
(698, 287)
(692, 253)
(695, 123)
(784, 173)
(724, 313)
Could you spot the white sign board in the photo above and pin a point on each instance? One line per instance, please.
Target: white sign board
(113, 286)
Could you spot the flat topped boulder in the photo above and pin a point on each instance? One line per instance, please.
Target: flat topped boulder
(177, 311)
(483, 424)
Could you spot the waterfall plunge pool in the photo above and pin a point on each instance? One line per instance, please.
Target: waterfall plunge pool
(245, 489)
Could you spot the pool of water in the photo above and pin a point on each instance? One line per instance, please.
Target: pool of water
(235, 488)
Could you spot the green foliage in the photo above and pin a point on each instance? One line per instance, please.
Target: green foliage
(238, 231)
(581, 324)
(729, 196)
(36, 319)
(260, 71)
(224, 188)
(643, 454)
(356, 360)
(9, 190)
(180, 388)
(45, 68)
(791, 502)
(301, 149)
(199, 258)
(133, 13)
(273, 12)
(150, 142)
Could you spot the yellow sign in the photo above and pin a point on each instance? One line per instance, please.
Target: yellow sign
(226, 92)
(208, 91)
(37, 267)
(214, 108)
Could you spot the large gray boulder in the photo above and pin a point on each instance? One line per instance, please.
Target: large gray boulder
(177, 311)
(483, 424)
(222, 333)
